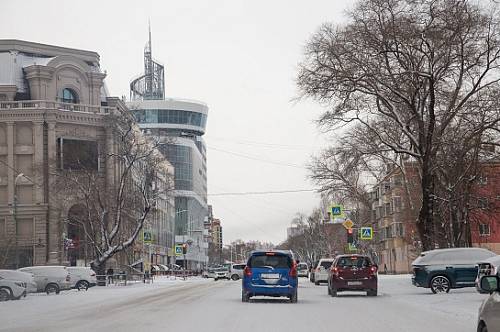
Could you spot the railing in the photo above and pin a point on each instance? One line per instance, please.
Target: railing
(122, 279)
(47, 104)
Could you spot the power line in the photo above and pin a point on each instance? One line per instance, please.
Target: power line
(264, 144)
(256, 158)
(263, 192)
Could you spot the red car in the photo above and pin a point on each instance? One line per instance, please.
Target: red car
(353, 273)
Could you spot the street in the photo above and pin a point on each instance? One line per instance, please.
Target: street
(206, 305)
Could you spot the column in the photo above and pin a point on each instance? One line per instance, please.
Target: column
(10, 161)
(38, 161)
(55, 239)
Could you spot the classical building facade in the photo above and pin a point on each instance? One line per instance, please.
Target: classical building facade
(53, 115)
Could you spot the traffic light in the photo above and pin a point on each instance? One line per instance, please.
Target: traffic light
(350, 237)
(184, 249)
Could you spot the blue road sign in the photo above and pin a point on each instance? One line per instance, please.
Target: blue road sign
(366, 233)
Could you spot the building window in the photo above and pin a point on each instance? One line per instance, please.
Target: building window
(483, 203)
(69, 96)
(388, 209)
(482, 180)
(396, 203)
(484, 229)
(76, 154)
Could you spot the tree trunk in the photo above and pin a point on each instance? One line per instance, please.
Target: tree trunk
(425, 222)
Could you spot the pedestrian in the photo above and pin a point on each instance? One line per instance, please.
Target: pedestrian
(110, 275)
(385, 268)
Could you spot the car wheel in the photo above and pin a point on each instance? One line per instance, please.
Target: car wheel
(82, 284)
(235, 277)
(371, 292)
(329, 290)
(440, 284)
(4, 294)
(333, 292)
(244, 296)
(294, 297)
(52, 288)
(482, 328)
(316, 283)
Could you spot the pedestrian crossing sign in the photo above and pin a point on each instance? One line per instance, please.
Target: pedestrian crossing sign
(366, 233)
(178, 250)
(336, 211)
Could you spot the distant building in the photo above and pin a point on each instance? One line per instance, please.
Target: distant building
(394, 212)
(216, 232)
(485, 217)
(293, 231)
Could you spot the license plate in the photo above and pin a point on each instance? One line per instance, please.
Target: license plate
(354, 283)
(270, 276)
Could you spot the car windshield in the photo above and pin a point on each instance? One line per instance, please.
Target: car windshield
(353, 261)
(270, 261)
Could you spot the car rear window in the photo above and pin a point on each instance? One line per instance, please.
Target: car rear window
(353, 261)
(326, 264)
(274, 261)
(302, 266)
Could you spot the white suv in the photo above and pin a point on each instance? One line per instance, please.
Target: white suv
(50, 279)
(322, 270)
(82, 277)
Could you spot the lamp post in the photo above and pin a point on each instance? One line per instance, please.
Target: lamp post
(20, 175)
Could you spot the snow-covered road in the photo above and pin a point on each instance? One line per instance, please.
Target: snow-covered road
(204, 305)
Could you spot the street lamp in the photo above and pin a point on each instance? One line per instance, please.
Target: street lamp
(20, 175)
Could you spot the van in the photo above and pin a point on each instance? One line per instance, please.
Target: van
(82, 277)
(49, 279)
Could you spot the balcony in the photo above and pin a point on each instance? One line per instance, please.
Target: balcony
(47, 104)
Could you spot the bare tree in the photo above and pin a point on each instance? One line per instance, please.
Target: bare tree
(406, 70)
(115, 210)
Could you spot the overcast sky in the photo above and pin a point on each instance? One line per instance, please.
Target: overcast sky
(240, 57)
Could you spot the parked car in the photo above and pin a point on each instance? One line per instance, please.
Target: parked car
(302, 270)
(312, 268)
(322, 270)
(489, 312)
(19, 276)
(237, 271)
(11, 290)
(444, 269)
(82, 277)
(270, 273)
(50, 279)
(219, 273)
(487, 267)
(353, 273)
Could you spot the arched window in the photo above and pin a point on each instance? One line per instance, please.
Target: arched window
(69, 96)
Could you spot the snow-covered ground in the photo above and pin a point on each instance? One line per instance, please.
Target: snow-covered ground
(204, 305)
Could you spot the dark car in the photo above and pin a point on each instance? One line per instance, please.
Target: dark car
(444, 269)
(353, 273)
(270, 273)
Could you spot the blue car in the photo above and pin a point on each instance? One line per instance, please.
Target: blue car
(270, 273)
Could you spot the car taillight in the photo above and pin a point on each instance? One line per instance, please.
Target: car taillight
(247, 271)
(293, 271)
(373, 270)
(335, 270)
(317, 269)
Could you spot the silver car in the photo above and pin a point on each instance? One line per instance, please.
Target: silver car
(302, 270)
(12, 290)
(489, 312)
(219, 273)
(50, 279)
(322, 271)
(237, 271)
